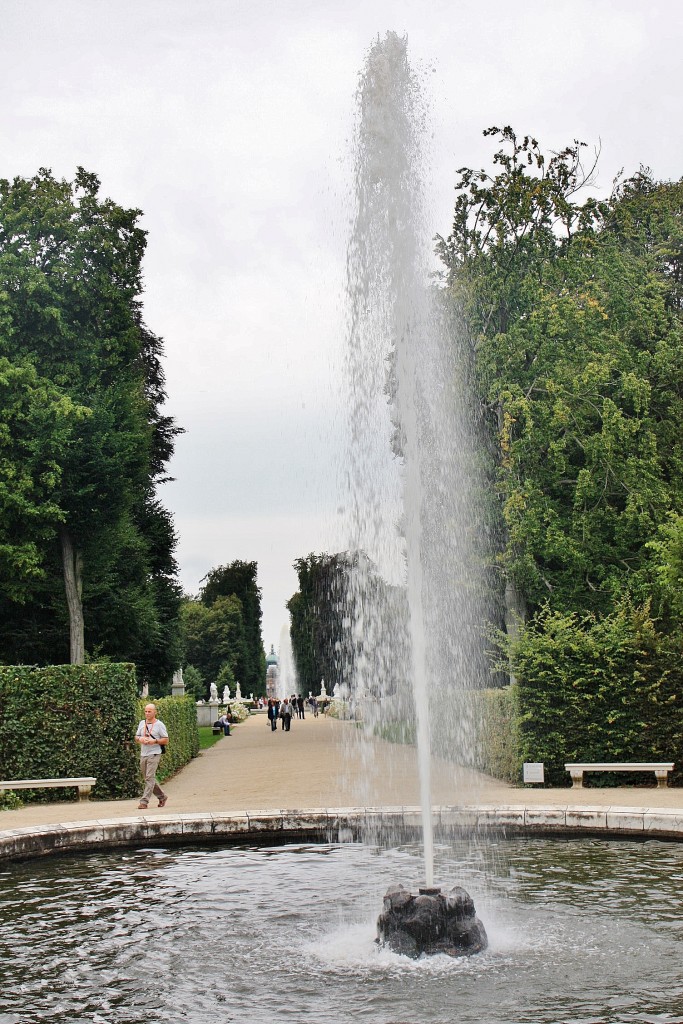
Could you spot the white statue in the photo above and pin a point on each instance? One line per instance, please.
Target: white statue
(226, 694)
(238, 692)
(145, 689)
(323, 691)
(178, 683)
(214, 693)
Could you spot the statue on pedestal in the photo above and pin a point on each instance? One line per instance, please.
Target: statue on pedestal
(323, 691)
(178, 683)
(238, 692)
(226, 694)
(213, 689)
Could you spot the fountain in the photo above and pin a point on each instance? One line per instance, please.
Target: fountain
(431, 922)
(412, 454)
(565, 920)
(578, 931)
(287, 682)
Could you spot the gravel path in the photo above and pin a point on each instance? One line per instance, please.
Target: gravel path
(323, 763)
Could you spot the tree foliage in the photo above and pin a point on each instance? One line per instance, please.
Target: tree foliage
(573, 308)
(84, 387)
(213, 639)
(319, 628)
(348, 626)
(239, 579)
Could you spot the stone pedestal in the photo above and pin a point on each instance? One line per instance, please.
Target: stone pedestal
(208, 712)
(178, 684)
(431, 922)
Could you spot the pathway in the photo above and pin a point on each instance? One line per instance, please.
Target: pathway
(322, 763)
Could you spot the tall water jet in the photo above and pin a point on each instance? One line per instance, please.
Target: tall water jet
(413, 455)
(287, 679)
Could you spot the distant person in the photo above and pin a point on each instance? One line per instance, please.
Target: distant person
(313, 702)
(300, 706)
(152, 737)
(286, 714)
(225, 720)
(272, 714)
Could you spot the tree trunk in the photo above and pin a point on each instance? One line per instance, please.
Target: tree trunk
(515, 613)
(72, 561)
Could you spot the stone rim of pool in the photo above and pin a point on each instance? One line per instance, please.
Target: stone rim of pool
(337, 824)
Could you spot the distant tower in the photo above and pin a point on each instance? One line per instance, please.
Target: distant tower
(272, 666)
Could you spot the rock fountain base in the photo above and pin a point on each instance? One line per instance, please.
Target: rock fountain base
(431, 922)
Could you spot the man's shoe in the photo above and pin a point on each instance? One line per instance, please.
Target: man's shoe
(142, 807)
(162, 801)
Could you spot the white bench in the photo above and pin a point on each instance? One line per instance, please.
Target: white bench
(83, 785)
(660, 768)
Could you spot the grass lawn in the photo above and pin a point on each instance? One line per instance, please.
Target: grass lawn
(207, 738)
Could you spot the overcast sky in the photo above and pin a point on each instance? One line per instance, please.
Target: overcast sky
(228, 123)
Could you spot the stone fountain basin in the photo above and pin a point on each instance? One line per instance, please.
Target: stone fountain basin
(333, 824)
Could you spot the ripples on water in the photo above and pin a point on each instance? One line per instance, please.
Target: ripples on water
(581, 932)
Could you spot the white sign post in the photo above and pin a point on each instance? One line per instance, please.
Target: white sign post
(533, 771)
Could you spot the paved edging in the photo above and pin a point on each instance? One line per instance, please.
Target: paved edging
(335, 824)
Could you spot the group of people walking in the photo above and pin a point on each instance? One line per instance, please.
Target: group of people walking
(289, 708)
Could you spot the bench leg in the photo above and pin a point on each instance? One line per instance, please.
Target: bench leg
(84, 792)
(661, 779)
(577, 780)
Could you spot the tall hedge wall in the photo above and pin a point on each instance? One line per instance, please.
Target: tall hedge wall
(179, 715)
(70, 720)
(599, 689)
(499, 751)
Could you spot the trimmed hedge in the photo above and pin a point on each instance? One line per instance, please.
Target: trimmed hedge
(179, 715)
(486, 736)
(599, 689)
(498, 733)
(69, 720)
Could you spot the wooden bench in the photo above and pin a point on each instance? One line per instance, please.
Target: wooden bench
(83, 785)
(660, 768)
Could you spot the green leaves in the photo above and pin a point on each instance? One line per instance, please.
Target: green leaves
(82, 438)
(70, 720)
(574, 310)
(599, 689)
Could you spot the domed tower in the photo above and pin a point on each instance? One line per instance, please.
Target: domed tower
(272, 666)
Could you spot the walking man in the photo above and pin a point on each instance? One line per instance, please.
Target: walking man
(272, 713)
(286, 714)
(151, 736)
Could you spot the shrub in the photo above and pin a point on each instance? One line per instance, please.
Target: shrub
(10, 801)
(239, 711)
(598, 689)
(498, 733)
(69, 720)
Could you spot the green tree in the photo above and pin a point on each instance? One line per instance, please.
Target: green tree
(239, 578)
(336, 592)
(70, 280)
(577, 356)
(574, 319)
(213, 637)
(195, 684)
(36, 420)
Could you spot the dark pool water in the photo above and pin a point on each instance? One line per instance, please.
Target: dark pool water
(581, 932)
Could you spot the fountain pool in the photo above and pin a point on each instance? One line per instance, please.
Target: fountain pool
(581, 931)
